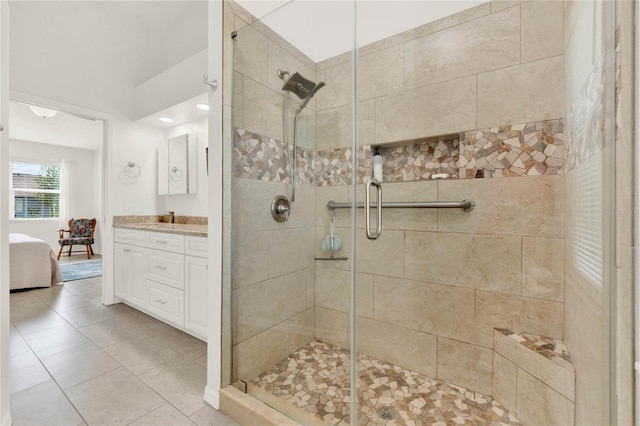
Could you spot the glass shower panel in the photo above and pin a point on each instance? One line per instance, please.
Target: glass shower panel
(291, 261)
(462, 314)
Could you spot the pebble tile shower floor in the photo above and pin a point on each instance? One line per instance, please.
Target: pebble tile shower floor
(315, 379)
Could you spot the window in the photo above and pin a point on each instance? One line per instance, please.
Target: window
(35, 191)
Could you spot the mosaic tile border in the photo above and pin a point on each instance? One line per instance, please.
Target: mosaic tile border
(529, 149)
(263, 158)
(333, 167)
(550, 348)
(315, 378)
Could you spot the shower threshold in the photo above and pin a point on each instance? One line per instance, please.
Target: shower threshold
(312, 386)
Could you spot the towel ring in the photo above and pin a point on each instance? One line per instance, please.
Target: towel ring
(176, 174)
(132, 170)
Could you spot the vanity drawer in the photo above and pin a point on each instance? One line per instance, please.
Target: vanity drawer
(196, 246)
(166, 302)
(166, 241)
(166, 268)
(131, 236)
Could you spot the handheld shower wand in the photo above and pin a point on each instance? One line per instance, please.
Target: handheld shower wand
(304, 89)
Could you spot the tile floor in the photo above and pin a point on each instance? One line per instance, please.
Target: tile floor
(74, 361)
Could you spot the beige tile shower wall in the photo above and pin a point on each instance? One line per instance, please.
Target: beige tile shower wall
(447, 278)
(270, 269)
(488, 66)
(273, 275)
(258, 97)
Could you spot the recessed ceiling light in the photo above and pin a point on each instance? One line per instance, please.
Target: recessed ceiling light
(165, 120)
(203, 107)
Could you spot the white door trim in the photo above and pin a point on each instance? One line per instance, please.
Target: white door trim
(214, 295)
(5, 413)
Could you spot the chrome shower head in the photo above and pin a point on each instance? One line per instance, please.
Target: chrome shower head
(315, 89)
(296, 83)
(319, 86)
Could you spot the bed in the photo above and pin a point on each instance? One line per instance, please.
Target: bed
(32, 263)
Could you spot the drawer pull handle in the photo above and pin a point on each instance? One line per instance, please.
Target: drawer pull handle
(161, 241)
(161, 301)
(162, 268)
(127, 250)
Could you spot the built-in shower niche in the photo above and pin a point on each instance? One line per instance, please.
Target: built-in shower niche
(418, 159)
(531, 149)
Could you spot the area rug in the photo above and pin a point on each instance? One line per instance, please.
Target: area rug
(81, 270)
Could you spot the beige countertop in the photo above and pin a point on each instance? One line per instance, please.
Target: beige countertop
(195, 230)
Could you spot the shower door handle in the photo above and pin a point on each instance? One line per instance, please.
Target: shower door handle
(367, 209)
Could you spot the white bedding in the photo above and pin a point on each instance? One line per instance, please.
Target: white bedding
(32, 263)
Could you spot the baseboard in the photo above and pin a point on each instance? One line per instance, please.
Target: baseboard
(6, 419)
(212, 397)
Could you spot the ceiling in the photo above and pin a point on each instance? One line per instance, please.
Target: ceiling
(322, 29)
(183, 112)
(157, 16)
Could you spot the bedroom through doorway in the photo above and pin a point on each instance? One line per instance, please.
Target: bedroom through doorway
(56, 193)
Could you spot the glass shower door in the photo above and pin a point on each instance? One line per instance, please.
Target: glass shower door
(291, 257)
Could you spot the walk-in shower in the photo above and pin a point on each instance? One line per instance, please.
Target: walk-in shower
(305, 90)
(459, 313)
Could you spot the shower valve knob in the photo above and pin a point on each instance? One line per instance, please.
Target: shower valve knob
(280, 208)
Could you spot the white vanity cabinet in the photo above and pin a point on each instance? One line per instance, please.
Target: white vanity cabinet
(130, 273)
(164, 275)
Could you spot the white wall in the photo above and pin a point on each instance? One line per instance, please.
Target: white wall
(190, 204)
(82, 179)
(187, 36)
(94, 56)
(137, 143)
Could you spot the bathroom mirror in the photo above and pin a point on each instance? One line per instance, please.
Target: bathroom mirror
(177, 170)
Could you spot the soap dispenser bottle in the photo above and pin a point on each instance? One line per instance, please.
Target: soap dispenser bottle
(377, 165)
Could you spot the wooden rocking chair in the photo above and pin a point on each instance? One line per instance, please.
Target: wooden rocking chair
(80, 233)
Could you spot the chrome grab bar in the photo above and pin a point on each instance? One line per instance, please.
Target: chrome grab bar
(367, 211)
(465, 205)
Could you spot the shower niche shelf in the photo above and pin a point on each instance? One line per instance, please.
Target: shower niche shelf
(419, 159)
(531, 149)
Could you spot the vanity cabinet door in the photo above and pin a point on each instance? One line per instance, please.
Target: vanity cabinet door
(130, 266)
(196, 295)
